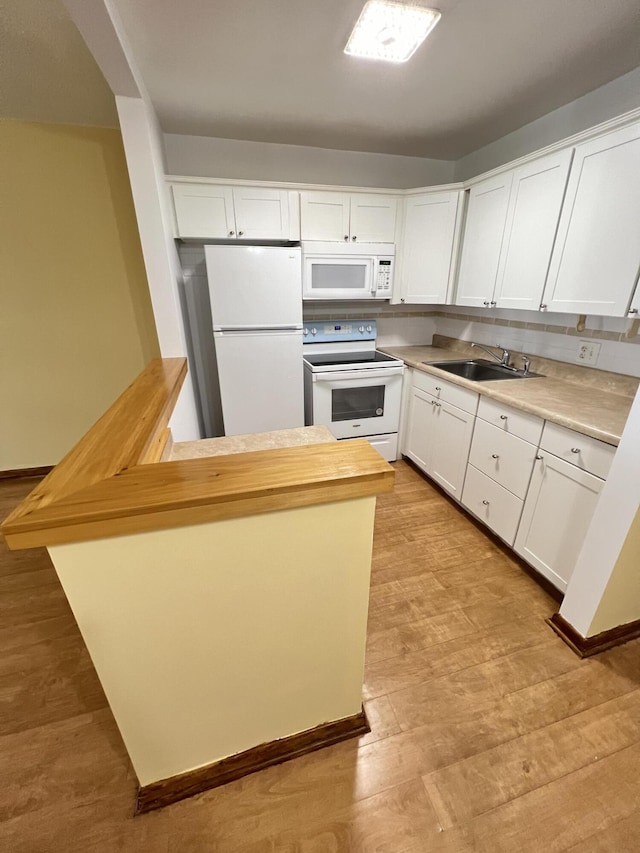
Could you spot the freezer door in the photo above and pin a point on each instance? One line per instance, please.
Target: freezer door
(255, 287)
(261, 380)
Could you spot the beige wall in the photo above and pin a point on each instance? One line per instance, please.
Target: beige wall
(620, 602)
(215, 638)
(76, 324)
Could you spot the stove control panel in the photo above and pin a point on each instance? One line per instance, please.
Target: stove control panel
(337, 330)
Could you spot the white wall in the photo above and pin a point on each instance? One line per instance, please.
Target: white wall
(203, 156)
(596, 598)
(142, 144)
(610, 100)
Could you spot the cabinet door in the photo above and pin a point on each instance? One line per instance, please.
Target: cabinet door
(532, 221)
(261, 214)
(373, 219)
(324, 216)
(419, 430)
(204, 211)
(597, 252)
(557, 512)
(427, 247)
(450, 448)
(482, 240)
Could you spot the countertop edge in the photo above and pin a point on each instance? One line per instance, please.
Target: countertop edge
(131, 490)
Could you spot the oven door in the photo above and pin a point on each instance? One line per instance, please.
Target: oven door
(355, 403)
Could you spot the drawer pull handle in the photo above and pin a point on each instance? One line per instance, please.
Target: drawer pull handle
(486, 503)
(575, 450)
(495, 456)
(503, 417)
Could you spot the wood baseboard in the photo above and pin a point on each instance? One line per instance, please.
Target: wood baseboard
(585, 647)
(14, 473)
(167, 791)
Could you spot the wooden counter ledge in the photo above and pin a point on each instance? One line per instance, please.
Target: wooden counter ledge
(111, 484)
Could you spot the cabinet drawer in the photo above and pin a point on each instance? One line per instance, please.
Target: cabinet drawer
(584, 452)
(505, 458)
(463, 398)
(493, 505)
(510, 420)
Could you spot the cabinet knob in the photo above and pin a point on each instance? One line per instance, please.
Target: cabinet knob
(633, 310)
(486, 503)
(438, 405)
(486, 303)
(438, 388)
(543, 307)
(354, 238)
(240, 233)
(538, 457)
(346, 236)
(231, 233)
(495, 456)
(493, 304)
(503, 417)
(575, 450)
(402, 299)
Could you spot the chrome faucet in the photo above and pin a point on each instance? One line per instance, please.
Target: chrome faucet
(503, 359)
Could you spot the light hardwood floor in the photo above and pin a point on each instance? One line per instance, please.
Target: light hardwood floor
(488, 734)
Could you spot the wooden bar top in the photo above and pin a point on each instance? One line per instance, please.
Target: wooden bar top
(110, 484)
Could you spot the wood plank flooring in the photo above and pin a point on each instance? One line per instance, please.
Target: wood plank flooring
(488, 733)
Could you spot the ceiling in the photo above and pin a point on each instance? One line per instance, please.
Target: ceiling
(46, 71)
(275, 71)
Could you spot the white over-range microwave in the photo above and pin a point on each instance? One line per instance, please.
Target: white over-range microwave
(347, 271)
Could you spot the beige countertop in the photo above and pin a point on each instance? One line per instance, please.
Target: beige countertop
(297, 437)
(586, 408)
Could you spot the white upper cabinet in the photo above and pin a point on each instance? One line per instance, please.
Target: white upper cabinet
(361, 217)
(261, 213)
(597, 253)
(209, 212)
(204, 211)
(426, 262)
(509, 235)
(373, 218)
(324, 216)
(532, 221)
(482, 241)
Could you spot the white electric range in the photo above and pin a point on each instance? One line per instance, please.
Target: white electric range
(350, 387)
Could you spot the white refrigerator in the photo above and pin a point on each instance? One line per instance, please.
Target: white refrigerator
(256, 308)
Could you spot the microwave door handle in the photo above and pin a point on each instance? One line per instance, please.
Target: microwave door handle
(373, 279)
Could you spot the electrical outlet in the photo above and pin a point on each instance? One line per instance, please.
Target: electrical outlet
(588, 352)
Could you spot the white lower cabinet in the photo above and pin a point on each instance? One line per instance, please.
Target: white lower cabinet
(438, 434)
(560, 502)
(500, 465)
(535, 484)
(492, 504)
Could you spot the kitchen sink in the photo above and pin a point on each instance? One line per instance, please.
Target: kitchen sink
(480, 370)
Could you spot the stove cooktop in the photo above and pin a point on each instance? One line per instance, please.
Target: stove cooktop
(355, 358)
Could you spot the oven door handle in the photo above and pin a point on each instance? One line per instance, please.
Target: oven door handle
(365, 373)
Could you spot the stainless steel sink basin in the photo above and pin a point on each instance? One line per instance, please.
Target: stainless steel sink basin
(480, 370)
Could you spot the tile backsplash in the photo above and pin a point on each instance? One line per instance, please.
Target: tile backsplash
(549, 335)
(553, 336)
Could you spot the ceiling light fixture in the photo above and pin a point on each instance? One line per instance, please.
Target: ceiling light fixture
(390, 31)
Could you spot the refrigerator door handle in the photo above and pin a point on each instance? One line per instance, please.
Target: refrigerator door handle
(250, 330)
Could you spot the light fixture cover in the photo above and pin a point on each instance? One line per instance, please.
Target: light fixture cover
(391, 31)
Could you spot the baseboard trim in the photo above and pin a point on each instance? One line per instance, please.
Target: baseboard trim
(167, 791)
(15, 473)
(585, 647)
